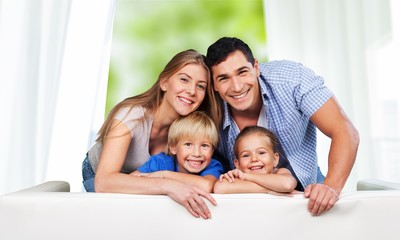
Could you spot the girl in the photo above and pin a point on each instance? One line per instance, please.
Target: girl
(256, 164)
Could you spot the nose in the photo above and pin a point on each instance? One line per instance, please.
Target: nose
(254, 158)
(191, 89)
(196, 151)
(237, 84)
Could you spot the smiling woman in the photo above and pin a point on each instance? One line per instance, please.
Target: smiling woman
(137, 128)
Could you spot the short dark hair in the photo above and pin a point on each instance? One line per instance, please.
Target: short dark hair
(219, 51)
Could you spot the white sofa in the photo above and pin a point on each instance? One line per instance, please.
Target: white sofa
(50, 211)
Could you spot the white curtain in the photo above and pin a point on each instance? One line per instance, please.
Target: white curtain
(354, 45)
(54, 57)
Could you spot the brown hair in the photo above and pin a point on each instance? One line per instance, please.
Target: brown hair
(260, 131)
(152, 98)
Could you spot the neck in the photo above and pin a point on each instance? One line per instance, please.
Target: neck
(247, 117)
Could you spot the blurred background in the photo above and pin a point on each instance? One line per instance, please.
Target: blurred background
(65, 63)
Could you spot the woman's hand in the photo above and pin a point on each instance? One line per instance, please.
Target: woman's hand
(191, 198)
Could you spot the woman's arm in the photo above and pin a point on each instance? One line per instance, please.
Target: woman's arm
(203, 182)
(110, 179)
(281, 181)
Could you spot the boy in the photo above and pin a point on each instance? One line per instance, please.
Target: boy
(256, 165)
(191, 143)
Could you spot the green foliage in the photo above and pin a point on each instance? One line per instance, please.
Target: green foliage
(147, 33)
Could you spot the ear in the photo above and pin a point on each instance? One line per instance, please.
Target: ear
(172, 149)
(256, 67)
(236, 163)
(163, 84)
(276, 159)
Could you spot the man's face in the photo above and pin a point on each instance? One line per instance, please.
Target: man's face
(236, 81)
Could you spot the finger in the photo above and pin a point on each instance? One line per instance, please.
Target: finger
(221, 177)
(313, 204)
(332, 202)
(231, 176)
(190, 210)
(208, 197)
(307, 191)
(197, 209)
(323, 204)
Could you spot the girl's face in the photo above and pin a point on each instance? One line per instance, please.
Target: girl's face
(193, 155)
(255, 155)
(185, 90)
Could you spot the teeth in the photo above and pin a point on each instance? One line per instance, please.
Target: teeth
(240, 96)
(185, 100)
(256, 168)
(194, 163)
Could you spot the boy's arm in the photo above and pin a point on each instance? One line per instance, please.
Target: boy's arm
(281, 181)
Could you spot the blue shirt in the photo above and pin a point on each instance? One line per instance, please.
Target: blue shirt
(291, 94)
(163, 161)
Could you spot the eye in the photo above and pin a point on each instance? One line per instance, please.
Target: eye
(188, 144)
(222, 79)
(262, 152)
(202, 86)
(246, 155)
(243, 72)
(206, 145)
(184, 80)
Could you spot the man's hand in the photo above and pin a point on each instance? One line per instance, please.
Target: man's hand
(321, 198)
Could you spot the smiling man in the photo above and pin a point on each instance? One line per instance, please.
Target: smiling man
(290, 100)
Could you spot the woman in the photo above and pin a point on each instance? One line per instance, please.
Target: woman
(137, 128)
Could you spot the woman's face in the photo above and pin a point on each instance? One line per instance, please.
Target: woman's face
(186, 89)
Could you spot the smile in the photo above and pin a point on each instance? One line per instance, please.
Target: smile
(255, 168)
(185, 100)
(240, 96)
(195, 163)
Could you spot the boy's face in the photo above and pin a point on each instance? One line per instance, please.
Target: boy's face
(236, 81)
(193, 155)
(255, 155)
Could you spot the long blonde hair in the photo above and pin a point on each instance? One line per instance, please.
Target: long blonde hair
(152, 98)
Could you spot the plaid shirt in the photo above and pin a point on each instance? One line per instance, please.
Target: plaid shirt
(291, 94)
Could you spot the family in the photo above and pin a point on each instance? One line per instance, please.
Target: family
(225, 123)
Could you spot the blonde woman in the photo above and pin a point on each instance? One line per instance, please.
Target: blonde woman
(137, 128)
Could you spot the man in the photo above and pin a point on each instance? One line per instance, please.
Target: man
(292, 101)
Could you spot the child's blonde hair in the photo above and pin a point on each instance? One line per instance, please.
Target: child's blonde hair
(195, 125)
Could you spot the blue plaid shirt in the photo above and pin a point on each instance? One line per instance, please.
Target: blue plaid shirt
(291, 94)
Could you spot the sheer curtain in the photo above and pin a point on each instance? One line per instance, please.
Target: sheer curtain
(54, 57)
(352, 44)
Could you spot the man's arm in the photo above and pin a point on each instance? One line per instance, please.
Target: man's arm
(333, 122)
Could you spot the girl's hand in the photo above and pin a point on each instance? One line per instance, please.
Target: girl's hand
(231, 175)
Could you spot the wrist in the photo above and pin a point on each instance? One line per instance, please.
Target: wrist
(335, 187)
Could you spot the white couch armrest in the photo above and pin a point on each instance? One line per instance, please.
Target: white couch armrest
(376, 184)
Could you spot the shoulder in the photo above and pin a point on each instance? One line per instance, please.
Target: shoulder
(215, 164)
(136, 112)
(282, 171)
